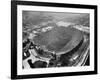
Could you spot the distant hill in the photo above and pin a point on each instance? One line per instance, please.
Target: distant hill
(33, 19)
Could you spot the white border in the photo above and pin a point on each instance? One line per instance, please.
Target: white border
(21, 71)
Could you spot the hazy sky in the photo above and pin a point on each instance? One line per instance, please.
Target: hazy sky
(38, 16)
(58, 15)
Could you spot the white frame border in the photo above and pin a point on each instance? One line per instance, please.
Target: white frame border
(21, 71)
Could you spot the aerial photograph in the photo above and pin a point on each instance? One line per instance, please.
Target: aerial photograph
(55, 39)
